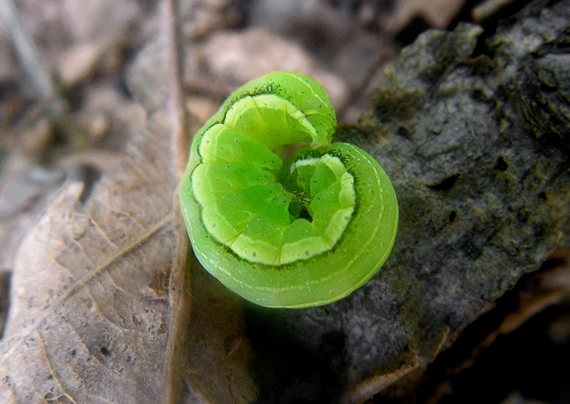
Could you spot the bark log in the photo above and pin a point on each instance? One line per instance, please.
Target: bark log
(474, 131)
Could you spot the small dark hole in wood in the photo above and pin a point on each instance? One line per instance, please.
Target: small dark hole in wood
(544, 88)
(403, 131)
(446, 184)
(104, 351)
(452, 216)
(501, 164)
(543, 196)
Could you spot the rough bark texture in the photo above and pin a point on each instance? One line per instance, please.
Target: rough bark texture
(474, 134)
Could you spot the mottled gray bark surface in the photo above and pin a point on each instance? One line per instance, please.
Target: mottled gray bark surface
(475, 136)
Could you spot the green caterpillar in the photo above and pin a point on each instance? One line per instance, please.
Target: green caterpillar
(299, 233)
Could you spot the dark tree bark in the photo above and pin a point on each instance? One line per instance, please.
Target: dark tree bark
(475, 135)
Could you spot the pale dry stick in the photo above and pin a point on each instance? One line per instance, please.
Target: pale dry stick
(488, 8)
(29, 57)
(179, 286)
(372, 385)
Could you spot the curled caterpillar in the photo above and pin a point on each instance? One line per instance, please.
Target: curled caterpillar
(296, 233)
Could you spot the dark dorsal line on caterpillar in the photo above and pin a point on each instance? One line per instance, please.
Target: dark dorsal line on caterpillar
(299, 233)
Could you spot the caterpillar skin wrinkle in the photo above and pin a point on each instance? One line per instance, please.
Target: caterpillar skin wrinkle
(299, 233)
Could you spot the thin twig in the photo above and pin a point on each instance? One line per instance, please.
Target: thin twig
(176, 105)
(179, 283)
(30, 59)
(488, 8)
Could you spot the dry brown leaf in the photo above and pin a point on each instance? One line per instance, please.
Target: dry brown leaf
(89, 309)
(96, 313)
(217, 347)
